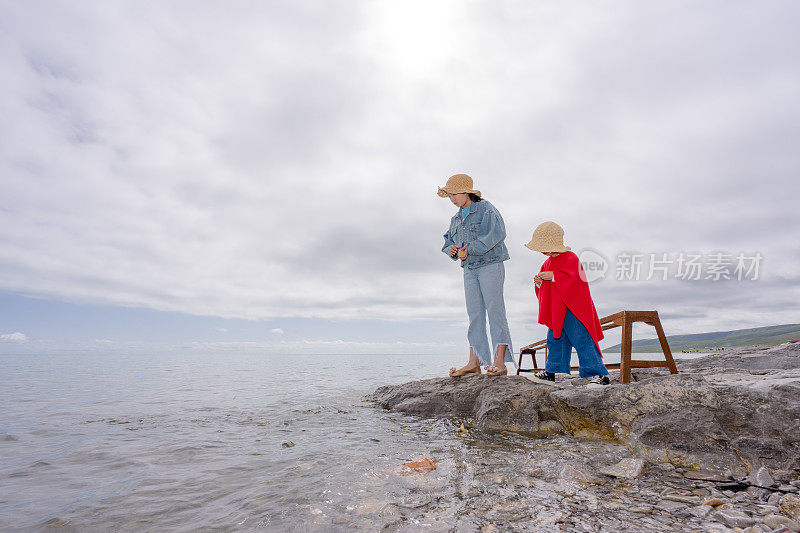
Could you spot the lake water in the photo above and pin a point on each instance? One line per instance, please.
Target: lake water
(177, 443)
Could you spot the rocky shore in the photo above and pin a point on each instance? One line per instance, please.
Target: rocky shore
(719, 443)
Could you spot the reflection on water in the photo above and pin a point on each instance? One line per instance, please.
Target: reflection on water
(168, 443)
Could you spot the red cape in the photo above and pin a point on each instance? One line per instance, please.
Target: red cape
(569, 290)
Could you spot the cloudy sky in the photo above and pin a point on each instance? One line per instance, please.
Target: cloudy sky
(261, 176)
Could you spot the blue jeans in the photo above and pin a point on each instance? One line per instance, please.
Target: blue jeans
(559, 351)
(483, 288)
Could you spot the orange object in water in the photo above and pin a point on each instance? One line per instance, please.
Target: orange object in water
(421, 464)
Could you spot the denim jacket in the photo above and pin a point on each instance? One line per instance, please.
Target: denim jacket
(483, 231)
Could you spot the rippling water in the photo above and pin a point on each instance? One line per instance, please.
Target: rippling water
(172, 443)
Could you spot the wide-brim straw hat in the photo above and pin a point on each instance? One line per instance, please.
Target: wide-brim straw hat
(456, 184)
(548, 237)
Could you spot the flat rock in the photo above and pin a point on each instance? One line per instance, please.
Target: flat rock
(763, 478)
(701, 511)
(705, 475)
(734, 518)
(725, 412)
(572, 473)
(630, 468)
(775, 521)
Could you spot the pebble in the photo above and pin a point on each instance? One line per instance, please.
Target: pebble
(700, 511)
(629, 468)
(670, 506)
(734, 518)
(571, 473)
(775, 521)
(790, 505)
(788, 488)
(763, 478)
(774, 499)
(680, 498)
(713, 502)
(705, 475)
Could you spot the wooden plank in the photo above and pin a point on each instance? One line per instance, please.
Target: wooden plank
(611, 317)
(648, 364)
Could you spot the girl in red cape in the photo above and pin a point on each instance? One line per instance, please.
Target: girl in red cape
(567, 309)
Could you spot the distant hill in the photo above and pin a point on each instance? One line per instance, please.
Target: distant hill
(718, 339)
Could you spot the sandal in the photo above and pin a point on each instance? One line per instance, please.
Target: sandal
(503, 372)
(457, 373)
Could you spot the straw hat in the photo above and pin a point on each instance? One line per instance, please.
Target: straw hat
(456, 184)
(548, 237)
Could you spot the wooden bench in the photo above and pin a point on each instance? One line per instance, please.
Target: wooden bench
(624, 319)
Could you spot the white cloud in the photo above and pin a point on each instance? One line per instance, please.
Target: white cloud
(278, 331)
(14, 337)
(285, 164)
(222, 330)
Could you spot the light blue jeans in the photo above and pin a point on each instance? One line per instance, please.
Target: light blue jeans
(559, 351)
(483, 288)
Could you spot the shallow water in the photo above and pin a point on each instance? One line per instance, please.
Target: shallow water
(175, 443)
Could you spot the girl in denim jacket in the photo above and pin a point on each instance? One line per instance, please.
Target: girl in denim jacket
(476, 236)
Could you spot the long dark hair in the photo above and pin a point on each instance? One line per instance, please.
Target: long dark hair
(474, 197)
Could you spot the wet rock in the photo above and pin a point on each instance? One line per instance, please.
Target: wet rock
(776, 521)
(630, 468)
(790, 505)
(733, 518)
(731, 410)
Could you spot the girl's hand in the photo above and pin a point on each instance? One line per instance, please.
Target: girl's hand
(537, 280)
(453, 250)
(546, 275)
(463, 253)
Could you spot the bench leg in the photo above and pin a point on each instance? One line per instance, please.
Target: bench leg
(625, 351)
(665, 346)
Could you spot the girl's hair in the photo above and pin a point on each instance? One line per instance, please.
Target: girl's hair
(474, 197)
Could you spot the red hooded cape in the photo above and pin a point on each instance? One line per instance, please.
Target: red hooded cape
(569, 290)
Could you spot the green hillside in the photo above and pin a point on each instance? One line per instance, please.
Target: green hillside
(719, 339)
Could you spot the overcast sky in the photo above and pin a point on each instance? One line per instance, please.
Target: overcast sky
(261, 176)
